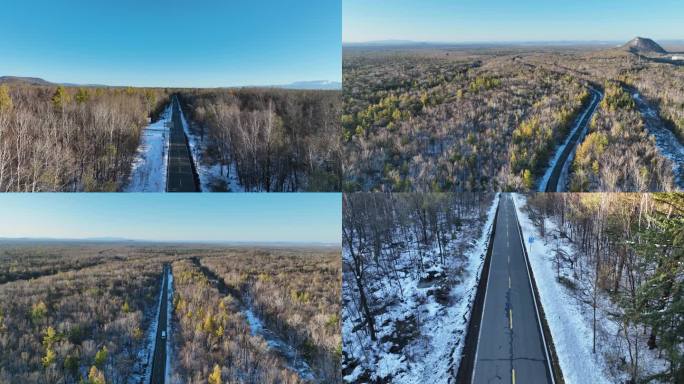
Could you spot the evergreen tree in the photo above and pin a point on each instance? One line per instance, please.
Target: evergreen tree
(60, 98)
(660, 297)
(82, 95)
(215, 376)
(101, 357)
(5, 99)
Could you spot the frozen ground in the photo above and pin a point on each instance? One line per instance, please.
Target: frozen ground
(666, 141)
(294, 361)
(434, 355)
(148, 172)
(213, 177)
(559, 151)
(570, 318)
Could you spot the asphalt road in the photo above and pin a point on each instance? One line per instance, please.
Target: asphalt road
(181, 176)
(563, 163)
(510, 345)
(159, 359)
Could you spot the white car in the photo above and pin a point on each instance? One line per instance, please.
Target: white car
(163, 334)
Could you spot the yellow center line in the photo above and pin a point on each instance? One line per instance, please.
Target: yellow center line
(513, 375)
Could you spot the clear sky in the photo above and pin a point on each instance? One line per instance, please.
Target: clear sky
(510, 20)
(199, 43)
(243, 217)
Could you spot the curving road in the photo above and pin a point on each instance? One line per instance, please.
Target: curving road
(181, 172)
(555, 178)
(511, 346)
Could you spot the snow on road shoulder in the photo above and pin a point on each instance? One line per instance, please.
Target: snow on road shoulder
(210, 175)
(435, 354)
(148, 172)
(559, 151)
(146, 355)
(570, 319)
(169, 327)
(446, 347)
(571, 333)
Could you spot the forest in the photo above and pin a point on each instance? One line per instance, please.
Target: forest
(86, 313)
(71, 139)
(57, 138)
(410, 264)
(79, 322)
(293, 293)
(483, 119)
(273, 140)
(621, 257)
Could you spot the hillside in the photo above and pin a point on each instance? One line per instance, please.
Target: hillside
(643, 45)
(23, 80)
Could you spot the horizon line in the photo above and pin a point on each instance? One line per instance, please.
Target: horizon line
(105, 239)
(95, 85)
(397, 40)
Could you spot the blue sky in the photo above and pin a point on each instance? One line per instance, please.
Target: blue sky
(507, 20)
(200, 43)
(249, 217)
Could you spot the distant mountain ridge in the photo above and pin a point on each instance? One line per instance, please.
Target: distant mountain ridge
(314, 84)
(643, 45)
(24, 80)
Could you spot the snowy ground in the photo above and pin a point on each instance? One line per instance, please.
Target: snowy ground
(433, 357)
(148, 172)
(294, 361)
(212, 176)
(667, 143)
(570, 318)
(559, 151)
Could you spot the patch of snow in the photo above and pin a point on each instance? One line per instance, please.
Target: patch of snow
(295, 362)
(146, 355)
(666, 141)
(570, 318)
(543, 183)
(148, 172)
(435, 356)
(212, 176)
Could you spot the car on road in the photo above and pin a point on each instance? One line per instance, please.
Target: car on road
(163, 334)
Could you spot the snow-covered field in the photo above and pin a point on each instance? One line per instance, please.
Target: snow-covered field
(212, 176)
(667, 143)
(434, 355)
(570, 318)
(148, 173)
(543, 183)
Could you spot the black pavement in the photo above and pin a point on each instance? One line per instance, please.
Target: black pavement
(510, 346)
(159, 359)
(180, 173)
(561, 166)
